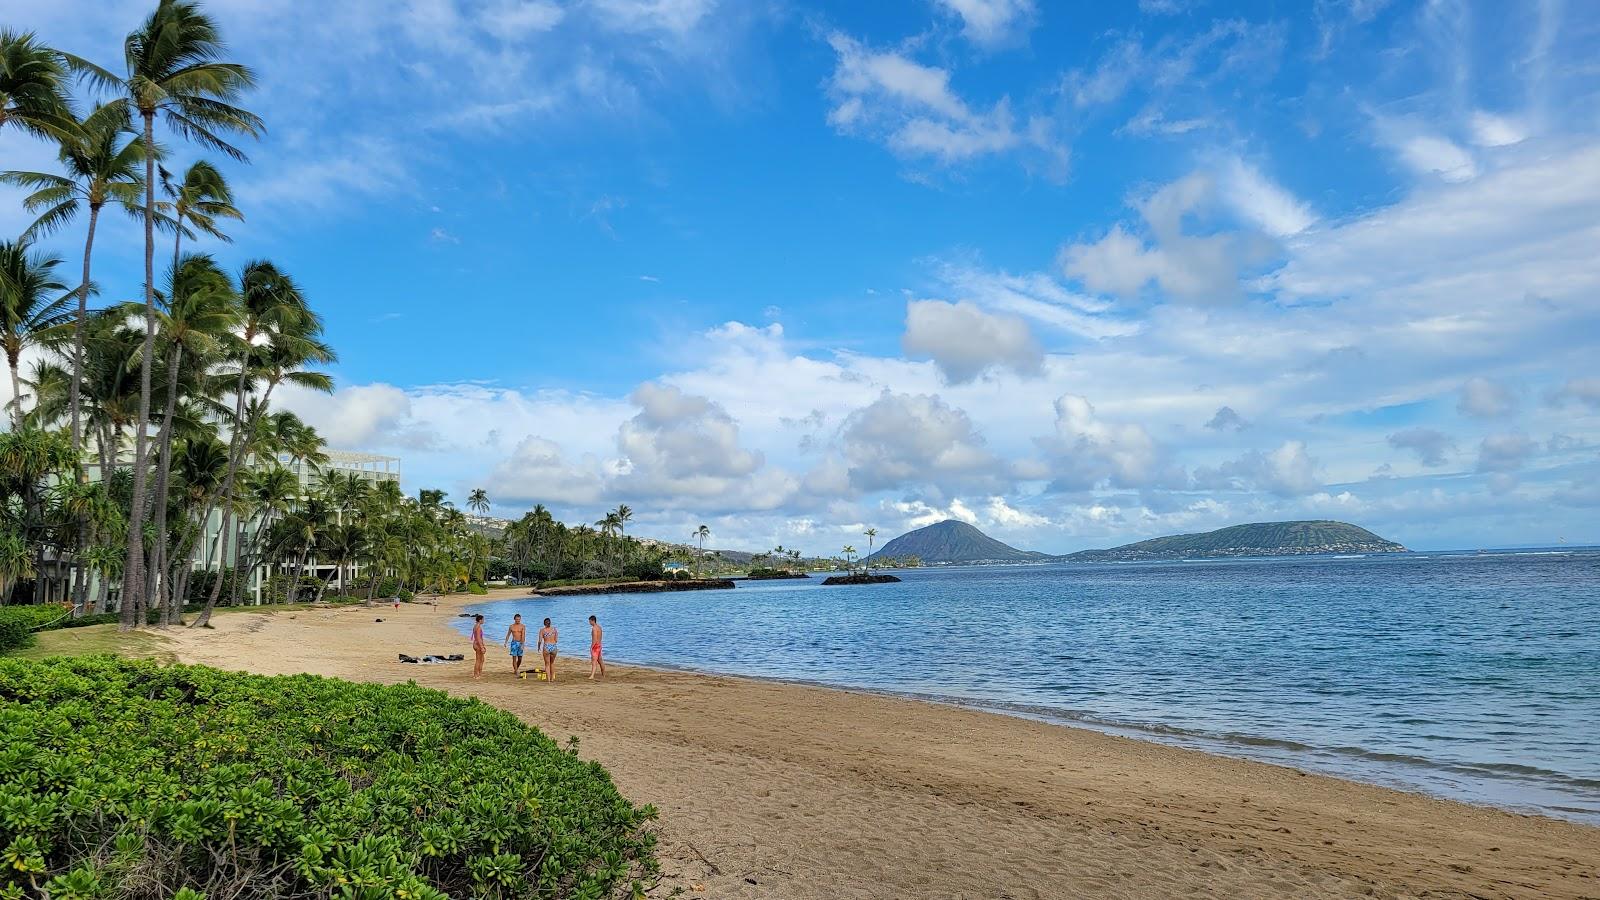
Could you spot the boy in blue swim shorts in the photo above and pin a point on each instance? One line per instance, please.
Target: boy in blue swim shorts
(516, 635)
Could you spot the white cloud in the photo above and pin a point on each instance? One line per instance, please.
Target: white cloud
(1426, 152)
(1086, 451)
(516, 19)
(1485, 399)
(1263, 202)
(906, 440)
(1193, 267)
(1225, 419)
(538, 472)
(911, 108)
(1490, 130)
(1038, 297)
(1429, 444)
(964, 341)
(992, 23)
(360, 416)
(1505, 452)
(1287, 471)
(674, 16)
(1582, 390)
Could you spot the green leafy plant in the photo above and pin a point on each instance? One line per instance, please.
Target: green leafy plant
(122, 778)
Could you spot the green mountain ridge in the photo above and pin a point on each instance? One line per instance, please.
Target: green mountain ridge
(952, 541)
(1256, 539)
(955, 542)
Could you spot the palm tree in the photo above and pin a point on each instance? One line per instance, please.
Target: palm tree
(849, 552)
(33, 304)
(33, 87)
(201, 311)
(200, 200)
(624, 515)
(102, 166)
(279, 339)
(172, 67)
(872, 534)
(701, 534)
(478, 501)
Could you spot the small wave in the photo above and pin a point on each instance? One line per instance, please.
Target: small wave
(1351, 556)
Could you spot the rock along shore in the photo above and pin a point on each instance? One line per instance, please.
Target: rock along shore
(636, 587)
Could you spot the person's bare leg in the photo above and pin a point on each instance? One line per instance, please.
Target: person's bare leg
(477, 663)
(600, 659)
(594, 662)
(550, 666)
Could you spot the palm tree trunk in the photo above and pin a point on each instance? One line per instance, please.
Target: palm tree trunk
(16, 392)
(204, 618)
(77, 336)
(133, 569)
(164, 474)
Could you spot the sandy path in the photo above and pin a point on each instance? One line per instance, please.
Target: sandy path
(777, 790)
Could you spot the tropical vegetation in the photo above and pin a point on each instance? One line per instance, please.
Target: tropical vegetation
(145, 468)
(292, 787)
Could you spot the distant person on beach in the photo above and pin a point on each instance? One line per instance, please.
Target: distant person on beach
(478, 646)
(596, 664)
(547, 646)
(516, 636)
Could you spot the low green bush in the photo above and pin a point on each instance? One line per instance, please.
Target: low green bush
(18, 623)
(474, 587)
(125, 779)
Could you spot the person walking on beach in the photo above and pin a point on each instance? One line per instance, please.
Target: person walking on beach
(547, 646)
(596, 664)
(478, 646)
(516, 636)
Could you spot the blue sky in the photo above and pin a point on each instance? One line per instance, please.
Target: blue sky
(1080, 276)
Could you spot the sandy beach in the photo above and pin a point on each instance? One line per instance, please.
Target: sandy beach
(791, 791)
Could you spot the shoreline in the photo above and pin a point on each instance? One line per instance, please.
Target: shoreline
(774, 788)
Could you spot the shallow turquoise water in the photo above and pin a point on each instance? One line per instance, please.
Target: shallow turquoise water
(1468, 675)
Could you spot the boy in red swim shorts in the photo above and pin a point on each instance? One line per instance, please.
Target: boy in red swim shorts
(597, 665)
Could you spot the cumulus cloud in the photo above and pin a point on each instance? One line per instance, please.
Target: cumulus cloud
(538, 472)
(1287, 471)
(1580, 390)
(1086, 451)
(1226, 419)
(992, 23)
(1485, 399)
(684, 446)
(964, 341)
(902, 440)
(1505, 452)
(361, 416)
(1429, 444)
(911, 107)
(1194, 267)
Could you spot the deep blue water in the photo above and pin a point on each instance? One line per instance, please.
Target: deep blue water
(1474, 676)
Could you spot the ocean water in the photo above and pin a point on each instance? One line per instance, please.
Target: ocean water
(1474, 676)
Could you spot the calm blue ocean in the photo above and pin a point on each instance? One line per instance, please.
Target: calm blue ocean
(1474, 676)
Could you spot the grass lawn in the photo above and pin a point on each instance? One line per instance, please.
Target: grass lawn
(94, 639)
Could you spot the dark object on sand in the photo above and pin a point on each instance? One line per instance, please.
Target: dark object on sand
(432, 658)
(859, 578)
(377, 620)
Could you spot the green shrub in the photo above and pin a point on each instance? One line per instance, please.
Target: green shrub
(18, 623)
(122, 778)
(474, 587)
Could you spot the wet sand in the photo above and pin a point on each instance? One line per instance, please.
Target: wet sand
(792, 791)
